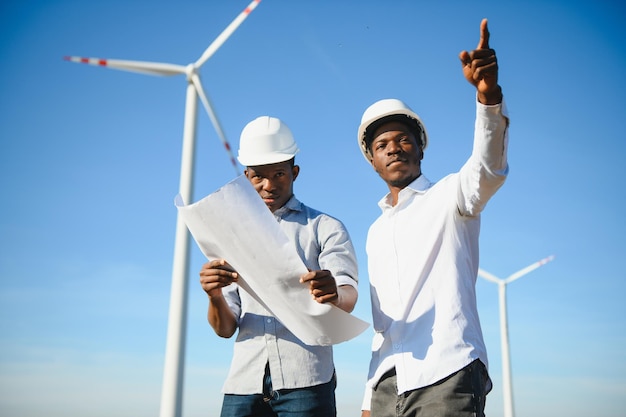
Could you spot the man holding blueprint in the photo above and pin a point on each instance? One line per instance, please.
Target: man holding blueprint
(273, 372)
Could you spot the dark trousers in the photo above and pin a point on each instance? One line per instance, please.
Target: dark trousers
(461, 394)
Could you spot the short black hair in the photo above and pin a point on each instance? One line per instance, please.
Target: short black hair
(413, 125)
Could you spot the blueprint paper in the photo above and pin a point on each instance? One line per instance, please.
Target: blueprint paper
(234, 224)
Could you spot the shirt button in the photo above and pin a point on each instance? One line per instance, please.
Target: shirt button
(397, 346)
(269, 320)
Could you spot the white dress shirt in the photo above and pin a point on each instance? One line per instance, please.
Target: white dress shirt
(423, 261)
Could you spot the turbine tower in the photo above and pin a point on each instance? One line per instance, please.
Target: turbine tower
(507, 386)
(171, 396)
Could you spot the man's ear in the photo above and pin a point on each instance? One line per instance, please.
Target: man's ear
(370, 157)
(295, 171)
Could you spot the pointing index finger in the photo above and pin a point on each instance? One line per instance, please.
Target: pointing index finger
(483, 43)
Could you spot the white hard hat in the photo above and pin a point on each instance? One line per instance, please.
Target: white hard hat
(266, 140)
(385, 109)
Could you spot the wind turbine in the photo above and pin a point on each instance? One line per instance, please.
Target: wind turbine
(504, 328)
(171, 396)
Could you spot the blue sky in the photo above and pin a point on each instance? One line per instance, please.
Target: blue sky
(90, 164)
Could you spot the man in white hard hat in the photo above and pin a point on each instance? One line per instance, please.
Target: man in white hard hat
(428, 354)
(272, 372)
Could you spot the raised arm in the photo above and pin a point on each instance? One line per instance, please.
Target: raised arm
(486, 170)
(480, 68)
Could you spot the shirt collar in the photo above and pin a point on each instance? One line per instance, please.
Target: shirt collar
(293, 204)
(419, 185)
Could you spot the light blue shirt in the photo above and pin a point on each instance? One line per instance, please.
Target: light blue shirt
(322, 243)
(423, 261)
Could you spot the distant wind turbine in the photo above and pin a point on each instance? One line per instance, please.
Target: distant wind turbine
(507, 386)
(171, 396)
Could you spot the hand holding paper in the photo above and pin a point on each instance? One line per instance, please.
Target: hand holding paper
(234, 224)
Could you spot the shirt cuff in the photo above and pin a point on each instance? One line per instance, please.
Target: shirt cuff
(367, 400)
(346, 280)
(487, 110)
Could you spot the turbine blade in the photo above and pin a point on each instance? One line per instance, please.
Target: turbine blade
(215, 45)
(195, 79)
(529, 268)
(143, 67)
(488, 276)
